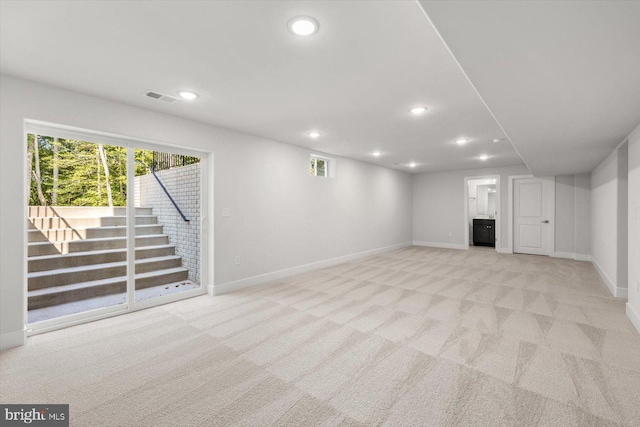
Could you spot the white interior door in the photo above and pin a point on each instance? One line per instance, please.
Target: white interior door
(532, 219)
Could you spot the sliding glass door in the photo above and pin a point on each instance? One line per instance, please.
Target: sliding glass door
(113, 225)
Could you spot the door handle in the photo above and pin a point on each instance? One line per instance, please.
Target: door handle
(546, 221)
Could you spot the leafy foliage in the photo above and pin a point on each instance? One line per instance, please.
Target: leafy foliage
(81, 177)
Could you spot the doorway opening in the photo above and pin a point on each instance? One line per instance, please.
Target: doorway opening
(482, 211)
(114, 225)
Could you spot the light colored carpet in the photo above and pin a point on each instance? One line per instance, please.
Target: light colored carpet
(416, 336)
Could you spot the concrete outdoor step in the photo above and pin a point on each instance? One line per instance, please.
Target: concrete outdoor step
(86, 273)
(43, 223)
(48, 248)
(82, 211)
(78, 259)
(68, 293)
(62, 234)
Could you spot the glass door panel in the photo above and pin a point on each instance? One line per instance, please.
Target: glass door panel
(77, 227)
(167, 193)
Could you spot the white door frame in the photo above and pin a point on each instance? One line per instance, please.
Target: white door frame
(466, 208)
(552, 209)
(206, 229)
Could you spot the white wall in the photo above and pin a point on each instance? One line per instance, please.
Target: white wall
(583, 215)
(633, 248)
(438, 205)
(281, 217)
(565, 214)
(573, 216)
(438, 198)
(623, 211)
(607, 231)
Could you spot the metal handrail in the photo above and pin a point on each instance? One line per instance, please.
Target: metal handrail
(175, 205)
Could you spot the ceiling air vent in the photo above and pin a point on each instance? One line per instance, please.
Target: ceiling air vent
(161, 97)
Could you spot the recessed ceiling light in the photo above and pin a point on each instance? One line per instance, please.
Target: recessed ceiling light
(418, 110)
(303, 25)
(462, 141)
(413, 164)
(313, 134)
(376, 154)
(483, 157)
(498, 140)
(188, 95)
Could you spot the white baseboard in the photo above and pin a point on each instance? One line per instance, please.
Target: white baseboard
(571, 255)
(616, 291)
(276, 275)
(568, 255)
(634, 316)
(440, 245)
(12, 339)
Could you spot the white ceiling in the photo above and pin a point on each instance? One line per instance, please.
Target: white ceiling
(354, 80)
(561, 77)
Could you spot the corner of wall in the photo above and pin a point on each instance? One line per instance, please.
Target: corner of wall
(12, 339)
(634, 316)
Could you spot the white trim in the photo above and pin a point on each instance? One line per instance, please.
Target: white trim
(572, 255)
(24, 205)
(131, 226)
(552, 209)
(634, 316)
(207, 229)
(567, 255)
(441, 245)
(95, 136)
(504, 251)
(280, 274)
(616, 291)
(552, 214)
(75, 318)
(12, 339)
(106, 312)
(497, 218)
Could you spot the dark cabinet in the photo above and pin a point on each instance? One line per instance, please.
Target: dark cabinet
(484, 232)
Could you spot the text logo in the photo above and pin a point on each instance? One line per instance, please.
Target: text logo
(35, 415)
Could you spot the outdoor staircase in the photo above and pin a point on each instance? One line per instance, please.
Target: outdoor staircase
(77, 253)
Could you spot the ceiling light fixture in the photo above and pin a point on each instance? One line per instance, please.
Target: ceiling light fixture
(418, 110)
(187, 95)
(413, 164)
(314, 134)
(303, 25)
(376, 154)
(483, 157)
(462, 141)
(498, 140)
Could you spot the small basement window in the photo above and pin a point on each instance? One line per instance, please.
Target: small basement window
(322, 166)
(319, 166)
